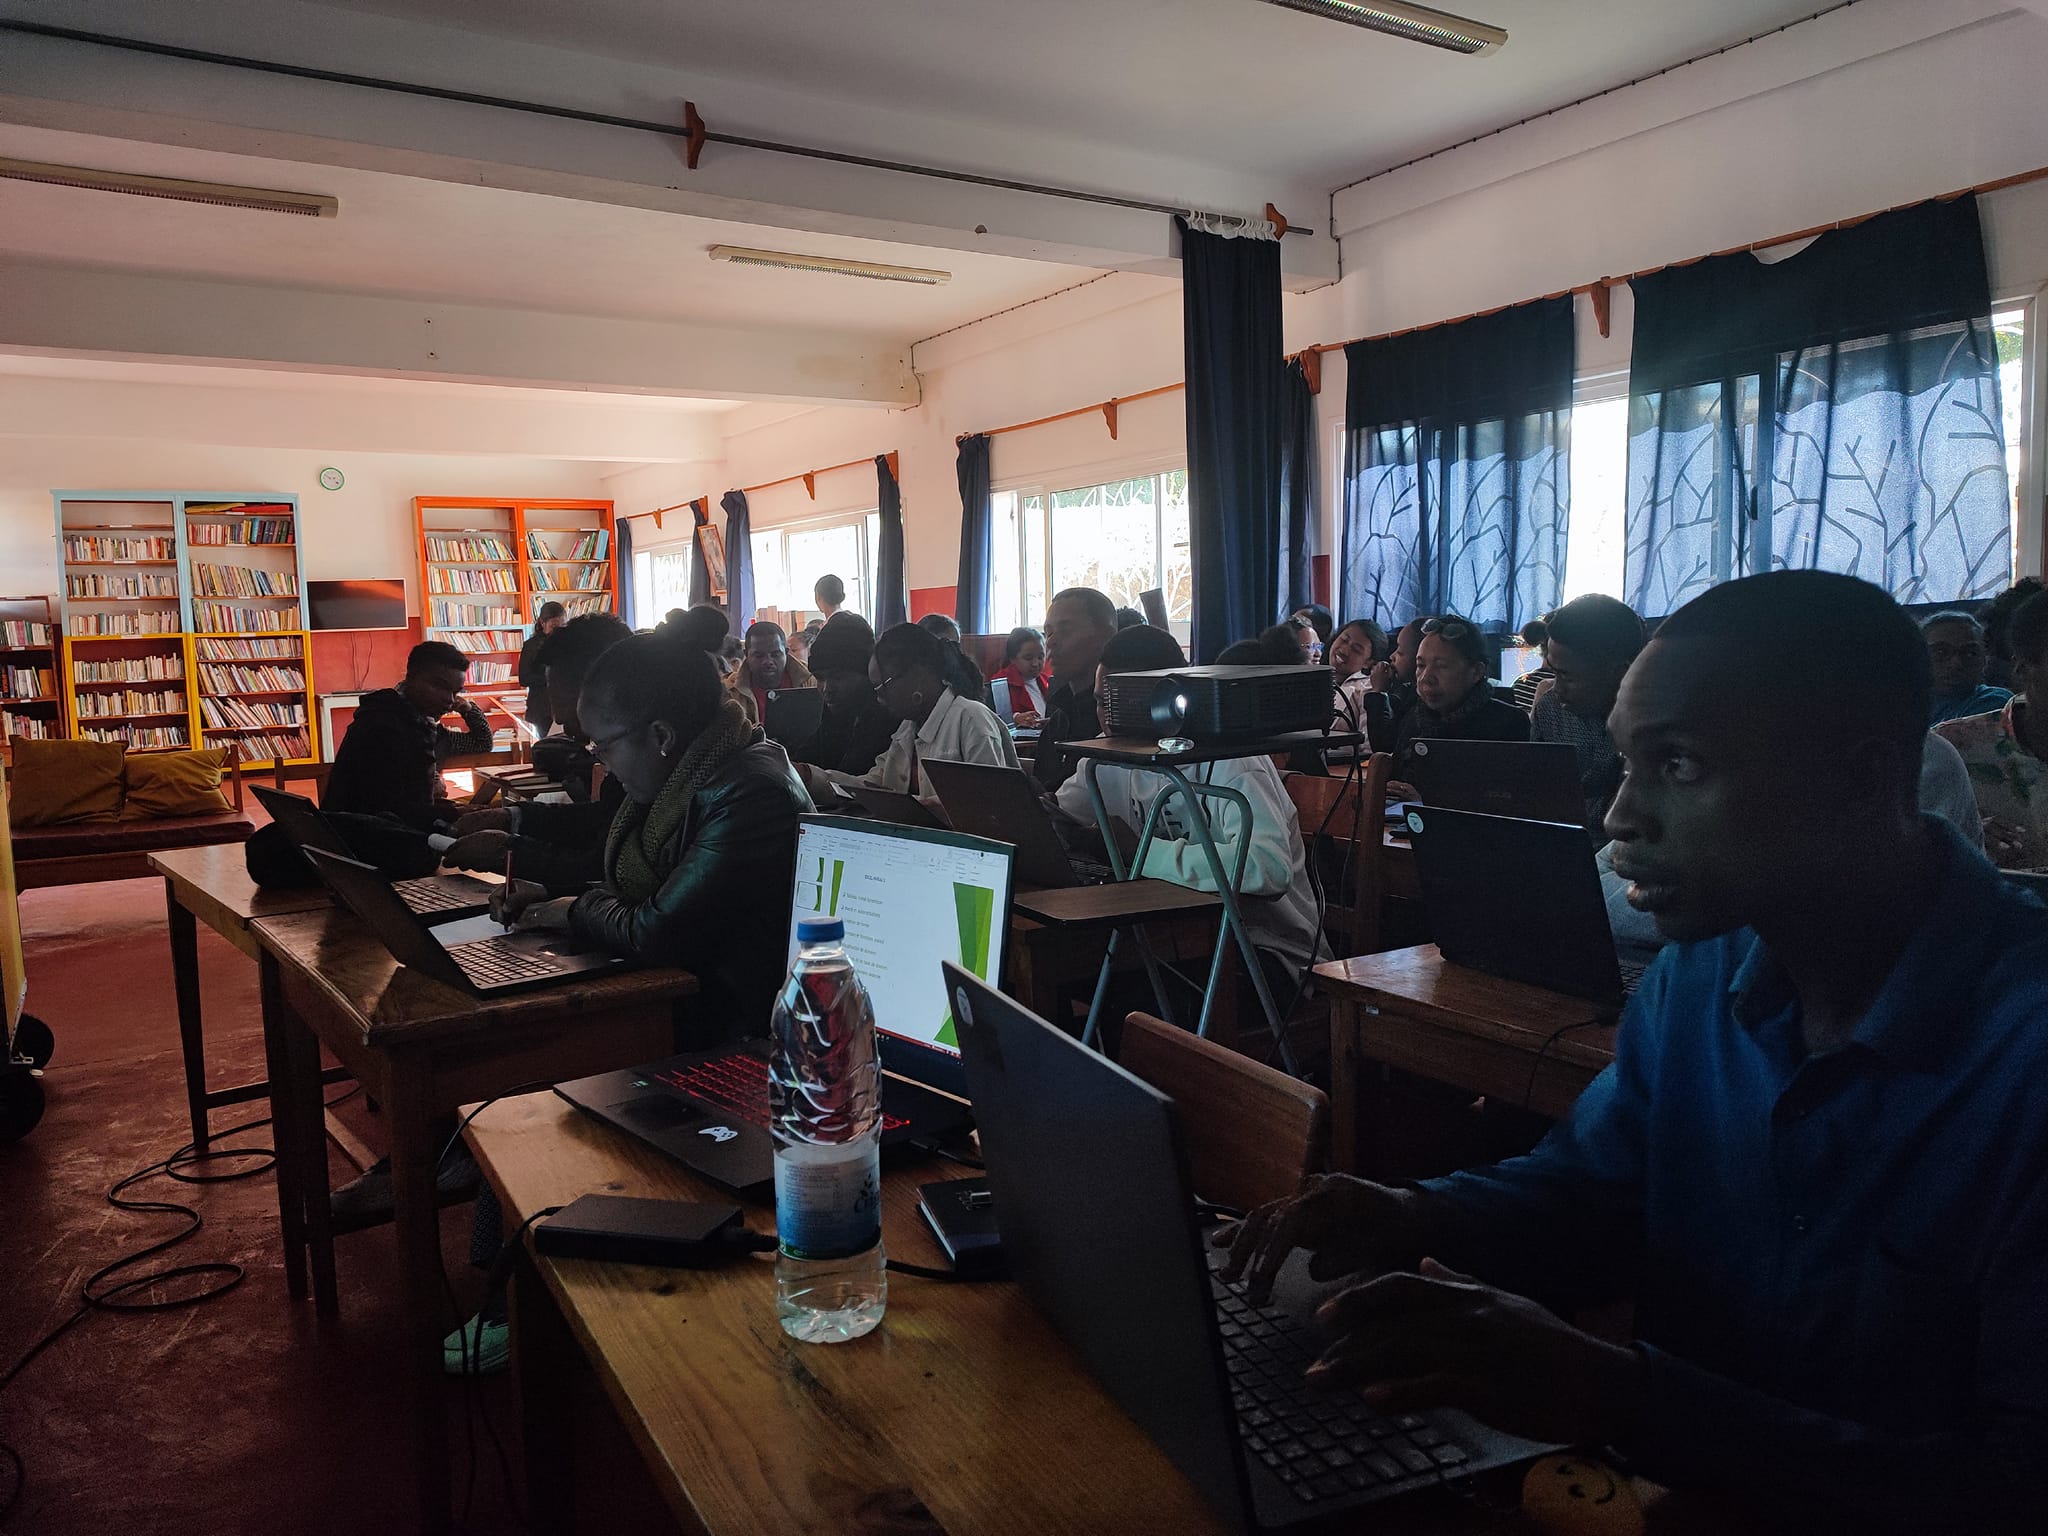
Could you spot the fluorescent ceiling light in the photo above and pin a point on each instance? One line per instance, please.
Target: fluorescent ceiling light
(745, 256)
(1416, 23)
(305, 204)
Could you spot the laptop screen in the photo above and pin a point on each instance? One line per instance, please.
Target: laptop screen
(910, 897)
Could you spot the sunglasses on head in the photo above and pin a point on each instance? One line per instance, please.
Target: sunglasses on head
(1450, 629)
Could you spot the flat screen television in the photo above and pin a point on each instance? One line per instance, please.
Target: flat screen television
(366, 604)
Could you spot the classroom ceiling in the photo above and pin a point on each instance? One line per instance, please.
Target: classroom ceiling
(1221, 82)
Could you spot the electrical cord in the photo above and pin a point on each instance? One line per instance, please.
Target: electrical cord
(1557, 1034)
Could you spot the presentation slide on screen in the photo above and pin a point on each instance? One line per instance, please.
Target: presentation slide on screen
(907, 904)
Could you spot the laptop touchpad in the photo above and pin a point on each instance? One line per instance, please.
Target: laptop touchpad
(657, 1112)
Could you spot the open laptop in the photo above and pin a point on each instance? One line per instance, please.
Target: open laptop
(995, 800)
(1004, 702)
(910, 898)
(888, 805)
(441, 896)
(1099, 1226)
(794, 715)
(476, 953)
(1534, 780)
(1519, 899)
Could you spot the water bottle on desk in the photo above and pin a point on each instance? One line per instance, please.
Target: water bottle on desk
(825, 1108)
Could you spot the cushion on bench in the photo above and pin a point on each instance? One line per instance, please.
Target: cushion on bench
(90, 837)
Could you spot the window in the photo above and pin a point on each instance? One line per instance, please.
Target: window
(661, 580)
(789, 559)
(1122, 537)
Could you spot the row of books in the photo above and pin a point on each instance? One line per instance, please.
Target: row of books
(485, 642)
(218, 679)
(130, 669)
(591, 544)
(483, 673)
(262, 746)
(242, 581)
(570, 578)
(146, 621)
(450, 615)
(94, 585)
(95, 546)
(246, 714)
(138, 738)
(237, 508)
(224, 649)
(474, 546)
(30, 727)
(226, 617)
(599, 603)
(25, 632)
(132, 701)
(248, 530)
(28, 682)
(471, 578)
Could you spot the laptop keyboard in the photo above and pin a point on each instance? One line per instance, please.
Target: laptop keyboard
(432, 895)
(738, 1085)
(491, 962)
(1632, 973)
(1321, 1445)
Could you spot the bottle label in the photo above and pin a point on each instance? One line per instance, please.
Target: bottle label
(828, 1199)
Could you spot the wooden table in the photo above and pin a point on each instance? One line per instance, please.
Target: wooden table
(1409, 1008)
(1060, 937)
(421, 1048)
(212, 885)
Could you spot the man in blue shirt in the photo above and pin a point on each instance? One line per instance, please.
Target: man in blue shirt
(1956, 646)
(1819, 1162)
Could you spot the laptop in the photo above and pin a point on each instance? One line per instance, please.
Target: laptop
(1099, 1226)
(890, 805)
(476, 953)
(1533, 780)
(1519, 899)
(441, 896)
(995, 800)
(910, 898)
(1005, 706)
(794, 715)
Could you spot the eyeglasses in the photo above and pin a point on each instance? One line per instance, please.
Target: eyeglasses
(883, 686)
(1450, 629)
(1968, 651)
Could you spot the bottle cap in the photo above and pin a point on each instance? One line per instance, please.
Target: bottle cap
(819, 930)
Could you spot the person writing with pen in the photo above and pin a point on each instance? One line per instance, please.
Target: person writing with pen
(1819, 1161)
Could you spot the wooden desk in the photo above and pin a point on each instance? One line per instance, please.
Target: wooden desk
(212, 885)
(1059, 938)
(421, 1048)
(1407, 1008)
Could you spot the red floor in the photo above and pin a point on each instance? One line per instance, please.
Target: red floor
(236, 1416)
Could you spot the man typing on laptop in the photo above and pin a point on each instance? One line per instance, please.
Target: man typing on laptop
(1819, 1162)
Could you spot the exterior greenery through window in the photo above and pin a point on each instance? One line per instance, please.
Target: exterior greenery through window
(1121, 537)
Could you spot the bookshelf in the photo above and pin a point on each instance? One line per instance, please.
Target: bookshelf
(486, 566)
(252, 689)
(122, 605)
(31, 697)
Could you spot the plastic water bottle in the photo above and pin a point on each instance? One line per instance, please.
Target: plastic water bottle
(825, 1106)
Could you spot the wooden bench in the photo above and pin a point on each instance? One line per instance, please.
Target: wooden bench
(82, 853)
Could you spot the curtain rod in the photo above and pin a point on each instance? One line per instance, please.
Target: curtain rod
(691, 129)
(809, 478)
(1599, 287)
(1108, 408)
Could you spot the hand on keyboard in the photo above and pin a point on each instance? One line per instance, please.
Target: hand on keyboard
(1347, 1223)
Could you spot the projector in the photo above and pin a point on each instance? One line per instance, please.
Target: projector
(1219, 703)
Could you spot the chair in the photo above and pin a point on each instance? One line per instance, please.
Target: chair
(1344, 814)
(1253, 1133)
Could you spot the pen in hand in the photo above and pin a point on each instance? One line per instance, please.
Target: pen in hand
(506, 908)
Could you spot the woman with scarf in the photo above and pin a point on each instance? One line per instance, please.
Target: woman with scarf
(1453, 699)
(700, 860)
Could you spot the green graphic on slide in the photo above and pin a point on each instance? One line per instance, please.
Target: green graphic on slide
(820, 897)
(975, 906)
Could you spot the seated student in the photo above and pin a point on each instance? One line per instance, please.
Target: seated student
(1291, 642)
(1955, 645)
(1355, 650)
(800, 641)
(961, 669)
(1394, 674)
(389, 760)
(1819, 1162)
(769, 667)
(1278, 645)
(558, 846)
(1279, 904)
(1590, 644)
(1130, 618)
(700, 860)
(919, 681)
(2006, 751)
(1996, 617)
(1535, 635)
(1024, 671)
(1454, 701)
(854, 730)
(1319, 619)
(1078, 624)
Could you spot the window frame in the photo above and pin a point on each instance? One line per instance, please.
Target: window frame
(1155, 467)
(865, 523)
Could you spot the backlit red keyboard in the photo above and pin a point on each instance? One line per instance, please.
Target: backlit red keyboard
(738, 1084)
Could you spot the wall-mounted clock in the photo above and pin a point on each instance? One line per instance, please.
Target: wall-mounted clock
(330, 479)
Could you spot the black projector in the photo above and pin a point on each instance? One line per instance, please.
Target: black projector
(1219, 703)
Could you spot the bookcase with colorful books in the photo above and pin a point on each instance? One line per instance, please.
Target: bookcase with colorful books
(252, 688)
(31, 702)
(122, 606)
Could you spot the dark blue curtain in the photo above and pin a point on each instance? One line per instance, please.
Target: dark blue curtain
(624, 564)
(700, 571)
(739, 561)
(892, 592)
(977, 536)
(1457, 469)
(1837, 410)
(1230, 295)
(1299, 488)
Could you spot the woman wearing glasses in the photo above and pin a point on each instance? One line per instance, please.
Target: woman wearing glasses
(1453, 699)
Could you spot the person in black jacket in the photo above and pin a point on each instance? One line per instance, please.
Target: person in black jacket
(551, 617)
(701, 859)
(1453, 699)
(389, 761)
(854, 730)
(1078, 624)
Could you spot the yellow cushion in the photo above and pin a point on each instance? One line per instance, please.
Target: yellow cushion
(174, 784)
(54, 782)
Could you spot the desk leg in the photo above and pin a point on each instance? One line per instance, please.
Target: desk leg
(543, 1359)
(191, 1035)
(291, 1209)
(308, 1095)
(1344, 1071)
(413, 1150)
